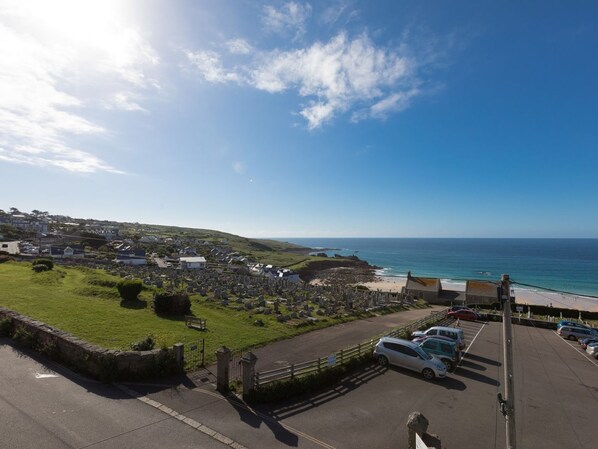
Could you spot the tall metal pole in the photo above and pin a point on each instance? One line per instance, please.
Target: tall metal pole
(509, 400)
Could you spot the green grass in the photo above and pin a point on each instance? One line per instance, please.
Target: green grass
(85, 303)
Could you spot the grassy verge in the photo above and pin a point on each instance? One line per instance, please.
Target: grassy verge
(85, 303)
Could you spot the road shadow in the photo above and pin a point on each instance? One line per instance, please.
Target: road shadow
(481, 359)
(469, 364)
(449, 382)
(255, 419)
(47, 366)
(303, 403)
(474, 375)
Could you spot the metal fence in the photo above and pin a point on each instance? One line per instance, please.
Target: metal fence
(344, 355)
(194, 354)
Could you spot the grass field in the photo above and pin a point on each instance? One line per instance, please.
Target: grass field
(85, 303)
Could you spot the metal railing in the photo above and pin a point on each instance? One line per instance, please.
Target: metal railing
(295, 370)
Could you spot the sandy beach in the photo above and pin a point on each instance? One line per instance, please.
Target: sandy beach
(522, 296)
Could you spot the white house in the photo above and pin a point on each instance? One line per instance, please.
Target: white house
(192, 263)
(10, 247)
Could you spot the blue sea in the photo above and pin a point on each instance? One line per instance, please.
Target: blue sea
(569, 265)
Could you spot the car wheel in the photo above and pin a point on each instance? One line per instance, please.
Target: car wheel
(450, 365)
(571, 337)
(428, 374)
(382, 360)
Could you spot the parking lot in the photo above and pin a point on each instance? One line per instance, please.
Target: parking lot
(556, 387)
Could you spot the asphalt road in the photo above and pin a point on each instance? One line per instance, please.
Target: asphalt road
(556, 388)
(47, 407)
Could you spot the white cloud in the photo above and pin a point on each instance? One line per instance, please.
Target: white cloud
(290, 18)
(56, 59)
(239, 47)
(123, 101)
(334, 77)
(338, 74)
(209, 66)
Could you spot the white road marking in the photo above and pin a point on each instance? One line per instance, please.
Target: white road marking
(468, 348)
(44, 376)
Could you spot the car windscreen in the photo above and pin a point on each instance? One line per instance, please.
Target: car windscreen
(422, 353)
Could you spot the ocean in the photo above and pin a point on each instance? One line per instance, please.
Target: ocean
(569, 265)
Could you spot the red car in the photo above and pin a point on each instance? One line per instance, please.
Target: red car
(464, 314)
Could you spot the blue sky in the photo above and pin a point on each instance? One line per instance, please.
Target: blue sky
(297, 119)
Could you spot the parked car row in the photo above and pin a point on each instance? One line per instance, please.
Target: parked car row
(572, 330)
(432, 352)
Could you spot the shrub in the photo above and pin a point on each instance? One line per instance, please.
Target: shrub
(5, 327)
(277, 391)
(147, 344)
(47, 262)
(24, 337)
(129, 289)
(171, 303)
(5, 258)
(40, 268)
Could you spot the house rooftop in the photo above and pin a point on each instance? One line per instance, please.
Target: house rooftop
(481, 288)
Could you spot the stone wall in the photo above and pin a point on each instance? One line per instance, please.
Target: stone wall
(94, 361)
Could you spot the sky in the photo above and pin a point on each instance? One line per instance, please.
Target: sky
(304, 119)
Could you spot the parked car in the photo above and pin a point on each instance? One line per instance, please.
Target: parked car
(575, 333)
(572, 323)
(455, 308)
(407, 354)
(425, 337)
(584, 342)
(446, 351)
(465, 314)
(453, 332)
(592, 349)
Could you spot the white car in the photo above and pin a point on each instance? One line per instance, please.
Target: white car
(592, 349)
(407, 354)
(452, 332)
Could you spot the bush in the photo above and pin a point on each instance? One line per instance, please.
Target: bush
(147, 344)
(129, 289)
(40, 268)
(277, 391)
(5, 327)
(47, 262)
(24, 337)
(172, 303)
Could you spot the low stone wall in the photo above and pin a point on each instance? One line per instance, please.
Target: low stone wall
(94, 361)
(523, 321)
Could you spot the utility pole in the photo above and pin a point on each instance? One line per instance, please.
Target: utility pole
(507, 404)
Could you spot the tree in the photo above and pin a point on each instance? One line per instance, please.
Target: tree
(14, 210)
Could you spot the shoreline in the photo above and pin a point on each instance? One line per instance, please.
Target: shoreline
(523, 296)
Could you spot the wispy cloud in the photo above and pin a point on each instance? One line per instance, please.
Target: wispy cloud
(49, 53)
(208, 65)
(288, 19)
(334, 77)
(239, 47)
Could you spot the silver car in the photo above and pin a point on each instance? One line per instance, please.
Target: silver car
(408, 355)
(592, 349)
(575, 333)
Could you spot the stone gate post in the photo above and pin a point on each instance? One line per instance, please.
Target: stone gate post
(223, 357)
(248, 362)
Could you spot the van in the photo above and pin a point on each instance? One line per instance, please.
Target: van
(452, 332)
(575, 333)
